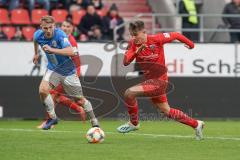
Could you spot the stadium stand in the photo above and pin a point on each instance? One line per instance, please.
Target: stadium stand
(102, 12)
(59, 15)
(77, 16)
(20, 17)
(28, 20)
(28, 32)
(9, 31)
(37, 14)
(4, 19)
(128, 9)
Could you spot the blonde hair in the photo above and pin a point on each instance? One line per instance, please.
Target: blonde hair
(47, 19)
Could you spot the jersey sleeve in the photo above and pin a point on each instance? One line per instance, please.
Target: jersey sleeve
(129, 54)
(169, 37)
(63, 40)
(73, 43)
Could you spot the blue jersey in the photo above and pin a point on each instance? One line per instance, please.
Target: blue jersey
(57, 63)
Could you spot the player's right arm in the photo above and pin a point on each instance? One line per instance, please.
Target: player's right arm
(131, 52)
(36, 55)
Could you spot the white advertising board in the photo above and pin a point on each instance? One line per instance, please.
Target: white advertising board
(205, 60)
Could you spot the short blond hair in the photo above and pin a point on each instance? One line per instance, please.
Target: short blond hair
(47, 19)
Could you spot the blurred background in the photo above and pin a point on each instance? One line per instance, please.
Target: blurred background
(206, 79)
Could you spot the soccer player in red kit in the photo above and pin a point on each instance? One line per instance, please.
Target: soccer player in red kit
(58, 92)
(149, 54)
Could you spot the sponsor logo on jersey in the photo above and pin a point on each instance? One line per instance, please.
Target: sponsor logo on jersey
(166, 35)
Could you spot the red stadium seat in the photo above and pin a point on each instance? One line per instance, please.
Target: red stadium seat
(133, 8)
(4, 19)
(20, 16)
(37, 14)
(9, 31)
(102, 12)
(28, 32)
(77, 16)
(59, 15)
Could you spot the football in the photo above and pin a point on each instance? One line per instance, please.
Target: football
(95, 135)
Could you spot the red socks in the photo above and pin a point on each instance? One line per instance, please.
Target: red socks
(175, 114)
(182, 118)
(68, 102)
(132, 107)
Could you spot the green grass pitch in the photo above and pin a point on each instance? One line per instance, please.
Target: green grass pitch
(158, 140)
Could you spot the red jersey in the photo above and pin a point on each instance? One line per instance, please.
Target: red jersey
(76, 58)
(153, 54)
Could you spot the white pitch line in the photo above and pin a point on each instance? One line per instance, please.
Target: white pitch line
(182, 136)
(132, 134)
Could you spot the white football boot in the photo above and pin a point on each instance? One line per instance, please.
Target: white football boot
(199, 130)
(128, 127)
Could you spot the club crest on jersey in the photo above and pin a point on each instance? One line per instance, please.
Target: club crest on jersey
(65, 40)
(54, 44)
(152, 47)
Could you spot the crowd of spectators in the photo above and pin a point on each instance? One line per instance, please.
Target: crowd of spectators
(193, 22)
(92, 20)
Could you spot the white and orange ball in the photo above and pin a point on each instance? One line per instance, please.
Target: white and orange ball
(95, 135)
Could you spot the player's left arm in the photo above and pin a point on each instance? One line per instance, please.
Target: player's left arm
(169, 37)
(130, 54)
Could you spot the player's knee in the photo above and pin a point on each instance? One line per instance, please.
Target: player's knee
(129, 94)
(87, 105)
(43, 91)
(164, 108)
(165, 111)
(81, 101)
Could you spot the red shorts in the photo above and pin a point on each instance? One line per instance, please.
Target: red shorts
(156, 89)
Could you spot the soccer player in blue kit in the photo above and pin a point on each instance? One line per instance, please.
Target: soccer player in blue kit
(60, 70)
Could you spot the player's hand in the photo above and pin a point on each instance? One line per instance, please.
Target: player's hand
(189, 47)
(141, 48)
(47, 48)
(35, 58)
